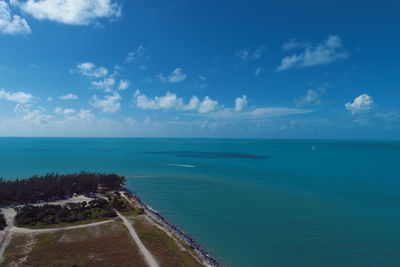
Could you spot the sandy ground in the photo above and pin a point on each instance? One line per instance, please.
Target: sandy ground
(76, 199)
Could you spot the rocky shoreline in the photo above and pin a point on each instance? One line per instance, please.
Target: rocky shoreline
(185, 238)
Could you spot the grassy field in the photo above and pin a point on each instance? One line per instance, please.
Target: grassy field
(168, 251)
(17, 250)
(101, 245)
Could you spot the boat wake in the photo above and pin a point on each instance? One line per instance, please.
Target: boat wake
(182, 165)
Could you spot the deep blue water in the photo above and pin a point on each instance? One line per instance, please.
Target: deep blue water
(250, 202)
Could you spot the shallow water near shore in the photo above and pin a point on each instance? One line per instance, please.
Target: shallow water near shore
(249, 202)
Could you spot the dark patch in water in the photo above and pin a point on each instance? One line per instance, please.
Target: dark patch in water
(208, 155)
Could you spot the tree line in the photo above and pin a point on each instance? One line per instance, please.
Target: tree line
(55, 186)
(30, 215)
(3, 222)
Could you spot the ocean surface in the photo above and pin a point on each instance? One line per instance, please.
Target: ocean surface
(249, 202)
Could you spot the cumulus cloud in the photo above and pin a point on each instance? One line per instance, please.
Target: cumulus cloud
(107, 84)
(313, 97)
(169, 101)
(250, 54)
(85, 114)
(89, 69)
(67, 111)
(18, 97)
(172, 101)
(123, 84)
(72, 12)
(361, 103)
(36, 116)
(207, 105)
(109, 104)
(138, 55)
(193, 104)
(68, 97)
(176, 76)
(241, 103)
(327, 51)
(11, 24)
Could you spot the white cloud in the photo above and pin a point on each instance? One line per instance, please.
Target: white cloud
(109, 104)
(257, 53)
(258, 112)
(193, 104)
(243, 54)
(241, 103)
(130, 121)
(312, 97)
(73, 12)
(11, 24)
(247, 53)
(361, 103)
(85, 114)
(18, 97)
(176, 76)
(107, 84)
(278, 111)
(172, 101)
(138, 55)
(293, 44)
(207, 105)
(68, 97)
(329, 50)
(258, 71)
(67, 111)
(123, 84)
(169, 101)
(200, 81)
(89, 69)
(36, 116)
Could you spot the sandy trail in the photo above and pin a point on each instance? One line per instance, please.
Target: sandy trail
(76, 199)
(151, 261)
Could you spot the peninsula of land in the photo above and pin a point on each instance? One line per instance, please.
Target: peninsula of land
(87, 219)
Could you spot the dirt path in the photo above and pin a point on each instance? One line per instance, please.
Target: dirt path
(32, 231)
(151, 261)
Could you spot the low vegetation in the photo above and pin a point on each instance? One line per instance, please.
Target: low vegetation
(56, 214)
(170, 253)
(122, 205)
(3, 222)
(100, 245)
(56, 186)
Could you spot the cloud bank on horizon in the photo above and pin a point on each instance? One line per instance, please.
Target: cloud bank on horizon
(210, 81)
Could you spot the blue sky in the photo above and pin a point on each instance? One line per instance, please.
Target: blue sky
(258, 69)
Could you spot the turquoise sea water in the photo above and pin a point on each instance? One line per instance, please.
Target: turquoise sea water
(249, 202)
